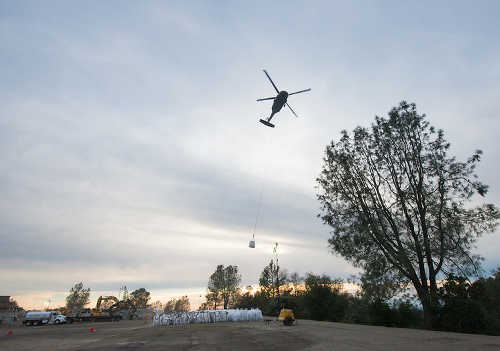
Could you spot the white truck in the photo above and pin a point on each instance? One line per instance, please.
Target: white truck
(39, 318)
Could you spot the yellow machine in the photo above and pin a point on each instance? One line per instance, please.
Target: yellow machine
(98, 311)
(286, 316)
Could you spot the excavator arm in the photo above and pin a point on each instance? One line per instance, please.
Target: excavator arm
(102, 299)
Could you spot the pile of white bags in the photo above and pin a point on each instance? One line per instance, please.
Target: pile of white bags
(207, 316)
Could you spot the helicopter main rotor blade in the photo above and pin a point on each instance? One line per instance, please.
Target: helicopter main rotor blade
(274, 85)
(292, 110)
(301, 91)
(271, 98)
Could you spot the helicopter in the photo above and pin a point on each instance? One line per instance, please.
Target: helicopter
(279, 101)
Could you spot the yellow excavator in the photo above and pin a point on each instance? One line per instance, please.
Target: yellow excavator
(99, 311)
(104, 299)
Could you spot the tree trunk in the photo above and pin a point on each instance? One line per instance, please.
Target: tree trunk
(427, 316)
(429, 305)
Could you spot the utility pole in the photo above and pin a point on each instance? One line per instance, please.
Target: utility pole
(123, 295)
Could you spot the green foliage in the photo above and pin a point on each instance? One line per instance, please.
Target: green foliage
(223, 285)
(157, 305)
(181, 304)
(272, 279)
(322, 299)
(78, 297)
(140, 298)
(408, 316)
(357, 311)
(212, 300)
(266, 281)
(382, 314)
(471, 307)
(465, 306)
(402, 314)
(395, 198)
(380, 282)
(257, 300)
(13, 305)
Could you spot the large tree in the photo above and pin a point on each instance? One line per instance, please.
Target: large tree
(272, 279)
(140, 297)
(78, 297)
(212, 299)
(181, 304)
(224, 284)
(396, 199)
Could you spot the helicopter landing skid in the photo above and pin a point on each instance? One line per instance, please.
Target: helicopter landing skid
(263, 121)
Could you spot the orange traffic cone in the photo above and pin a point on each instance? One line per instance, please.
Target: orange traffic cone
(10, 332)
(92, 330)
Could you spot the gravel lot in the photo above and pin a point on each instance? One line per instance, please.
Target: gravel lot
(306, 335)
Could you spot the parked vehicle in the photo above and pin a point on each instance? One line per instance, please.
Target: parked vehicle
(40, 318)
(89, 315)
(60, 319)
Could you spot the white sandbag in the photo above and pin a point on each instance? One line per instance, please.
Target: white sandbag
(206, 316)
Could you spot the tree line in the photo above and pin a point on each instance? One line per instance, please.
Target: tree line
(464, 306)
(79, 297)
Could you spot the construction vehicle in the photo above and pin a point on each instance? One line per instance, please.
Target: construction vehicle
(98, 314)
(80, 315)
(124, 309)
(104, 299)
(101, 313)
(286, 316)
(40, 318)
(89, 315)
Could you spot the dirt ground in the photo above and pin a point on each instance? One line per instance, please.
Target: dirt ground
(306, 335)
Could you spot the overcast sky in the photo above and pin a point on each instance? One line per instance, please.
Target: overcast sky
(131, 152)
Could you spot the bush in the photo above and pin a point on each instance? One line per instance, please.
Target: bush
(471, 307)
(357, 311)
(409, 316)
(381, 314)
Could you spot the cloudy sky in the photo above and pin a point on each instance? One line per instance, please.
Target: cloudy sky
(131, 152)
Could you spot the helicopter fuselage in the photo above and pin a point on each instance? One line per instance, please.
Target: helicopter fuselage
(279, 101)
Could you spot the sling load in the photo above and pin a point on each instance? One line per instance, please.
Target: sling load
(251, 244)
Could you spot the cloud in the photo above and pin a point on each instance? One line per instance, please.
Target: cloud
(130, 146)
